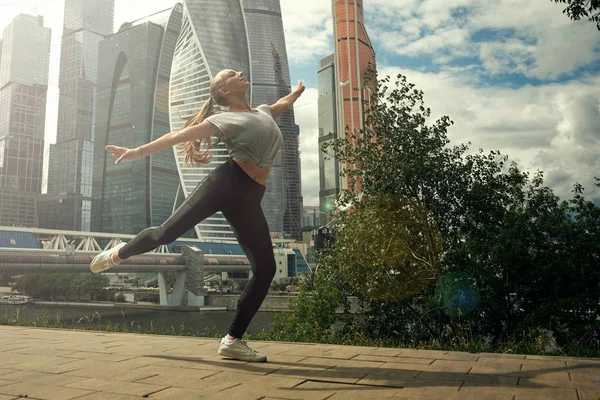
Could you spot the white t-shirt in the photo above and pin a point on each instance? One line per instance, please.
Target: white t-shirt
(249, 136)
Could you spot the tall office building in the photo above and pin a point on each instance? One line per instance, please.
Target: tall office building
(270, 82)
(132, 109)
(353, 52)
(329, 167)
(86, 23)
(24, 64)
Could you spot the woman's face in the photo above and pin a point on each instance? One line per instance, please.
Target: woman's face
(234, 82)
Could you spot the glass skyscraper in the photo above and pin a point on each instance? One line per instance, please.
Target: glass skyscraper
(329, 167)
(86, 23)
(213, 37)
(24, 64)
(271, 81)
(353, 53)
(132, 109)
(245, 36)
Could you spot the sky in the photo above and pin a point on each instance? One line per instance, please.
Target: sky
(515, 76)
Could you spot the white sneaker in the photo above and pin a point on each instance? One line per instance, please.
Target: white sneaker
(239, 350)
(104, 260)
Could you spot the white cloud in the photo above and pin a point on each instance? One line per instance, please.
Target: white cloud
(308, 29)
(510, 56)
(553, 128)
(305, 111)
(542, 48)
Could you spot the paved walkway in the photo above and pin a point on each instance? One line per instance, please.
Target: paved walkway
(62, 364)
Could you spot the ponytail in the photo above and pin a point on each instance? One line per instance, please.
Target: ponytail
(193, 155)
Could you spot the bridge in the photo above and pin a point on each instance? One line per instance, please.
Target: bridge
(71, 251)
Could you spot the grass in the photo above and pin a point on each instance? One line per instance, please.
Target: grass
(95, 322)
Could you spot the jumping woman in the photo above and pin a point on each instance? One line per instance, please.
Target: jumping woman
(234, 188)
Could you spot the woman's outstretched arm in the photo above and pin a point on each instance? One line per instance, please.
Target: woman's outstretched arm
(201, 131)
(287, 102)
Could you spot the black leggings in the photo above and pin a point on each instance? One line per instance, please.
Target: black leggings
(230, 190)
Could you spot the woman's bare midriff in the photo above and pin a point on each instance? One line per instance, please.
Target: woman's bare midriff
(259, 174)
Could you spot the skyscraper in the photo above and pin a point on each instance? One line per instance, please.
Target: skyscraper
(134, 70)
(329, 167)
(86, 23)
(24, 63)
(213, 37)
(353, 52)
(270, 82)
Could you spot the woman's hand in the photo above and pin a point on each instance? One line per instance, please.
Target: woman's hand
(124, 154)
(300, 88)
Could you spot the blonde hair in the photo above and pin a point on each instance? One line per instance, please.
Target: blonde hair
(193, 155)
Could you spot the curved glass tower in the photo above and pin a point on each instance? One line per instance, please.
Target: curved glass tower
(213, 37)
(132, 109)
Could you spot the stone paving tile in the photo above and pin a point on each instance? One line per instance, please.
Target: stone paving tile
(127, 388)
(450, 366)
(387, 380)
(4, 371)
(309, 351)
(481, 378)
(544, 383)
(52, 365)
(348, 392)
(321, 390)
(429, 390)
(422, 353)
(7, 397)
(87, 355)
(186, 378)
(367, 394)
(336, 362)
(542, 372)
(40, 350)
(182, 368)
(543, 393)
(385, 359)
(593, 394)
(271, 349)
(457, 356)
(42, 378)
(187, 394)
(497, 369)
(213, 363)
(120, 371)
(256, 388)
(565, 359)
(503, 356)
(46, 392)
(4, 382)
(112, 396)
(9, 360)
(338, 376)
(385, 351)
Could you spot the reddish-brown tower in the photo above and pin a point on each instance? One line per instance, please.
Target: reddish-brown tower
(353, 53)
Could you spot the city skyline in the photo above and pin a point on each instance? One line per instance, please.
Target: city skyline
(85, 24)
(131, 110)
(511, 79)
(24, 64)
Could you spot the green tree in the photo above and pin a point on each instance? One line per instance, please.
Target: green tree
(509, 243)
(578, 9)
(28, 284)
(5, 278)
(88, 283)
